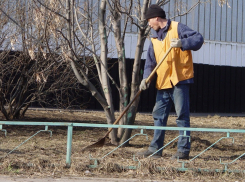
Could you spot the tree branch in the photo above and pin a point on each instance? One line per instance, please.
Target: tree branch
(51, 10)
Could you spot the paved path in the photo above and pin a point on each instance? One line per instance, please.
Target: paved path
(4, 178)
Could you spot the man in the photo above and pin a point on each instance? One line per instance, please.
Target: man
(173, 77)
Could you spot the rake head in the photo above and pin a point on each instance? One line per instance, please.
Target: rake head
(99, 143)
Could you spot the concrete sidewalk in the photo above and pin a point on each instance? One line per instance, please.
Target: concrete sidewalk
(4, 178)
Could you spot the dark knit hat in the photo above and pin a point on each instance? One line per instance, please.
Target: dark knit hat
(155, 11)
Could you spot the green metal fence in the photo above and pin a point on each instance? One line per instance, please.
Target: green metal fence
(136, 127)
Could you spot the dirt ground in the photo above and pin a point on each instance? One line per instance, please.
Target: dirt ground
(45, 156)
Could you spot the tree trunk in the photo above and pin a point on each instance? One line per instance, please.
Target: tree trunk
(123, 92)
(105, 80)
(134, 86)
(135, 74)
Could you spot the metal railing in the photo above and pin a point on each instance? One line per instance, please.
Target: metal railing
(136, 127)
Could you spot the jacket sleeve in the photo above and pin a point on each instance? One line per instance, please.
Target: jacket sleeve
(150, 62)
(190, 39)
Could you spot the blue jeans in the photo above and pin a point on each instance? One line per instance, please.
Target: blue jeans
(179, 95)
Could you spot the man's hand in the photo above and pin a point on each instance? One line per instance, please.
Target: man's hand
(143, 85)
(176, 43)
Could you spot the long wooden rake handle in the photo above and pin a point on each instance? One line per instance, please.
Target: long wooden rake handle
(138, 93)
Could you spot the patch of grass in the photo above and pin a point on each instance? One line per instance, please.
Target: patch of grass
(45, 156)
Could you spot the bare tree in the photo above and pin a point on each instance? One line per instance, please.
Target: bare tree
(29, 72)
(118, 9)
(110, 21)
(78, 30)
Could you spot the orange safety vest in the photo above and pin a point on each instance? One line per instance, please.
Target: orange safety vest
(177, 66)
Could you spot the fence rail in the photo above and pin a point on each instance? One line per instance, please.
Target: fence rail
(136, 127)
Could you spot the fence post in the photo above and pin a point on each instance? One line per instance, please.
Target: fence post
(69, 145)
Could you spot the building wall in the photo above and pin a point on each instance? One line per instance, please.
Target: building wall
(218, 65)
(219, 83)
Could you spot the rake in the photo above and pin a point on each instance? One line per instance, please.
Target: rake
(101, 141)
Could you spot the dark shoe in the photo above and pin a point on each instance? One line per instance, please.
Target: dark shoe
(180, 155)
(147, 153)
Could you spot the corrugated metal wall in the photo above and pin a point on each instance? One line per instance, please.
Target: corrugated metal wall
(220, 53)
(212, 52)
(215, 22)
(222, 27)
(218, 65)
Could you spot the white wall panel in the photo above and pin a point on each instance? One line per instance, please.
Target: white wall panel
(228, 56)
(201, 54)
(195, 17)
(128, 41)
(189, 17)
(112, 51)
(218, 20)
(206, 54)
(223, 24)
(207, 18)
(215, 22)
(234, 21)
(130, 46)
(239, 19)
(223, 29)
(217, 55)
(195, 57)
(243, 24)
(145, 49)
(233, 55)
(171, 9)
(243, 56)
(133, 44)
(212, 52)
(221, 54)
(239, 55)
(212, 24)
(202, 14)
(228, 22)
(184, 8)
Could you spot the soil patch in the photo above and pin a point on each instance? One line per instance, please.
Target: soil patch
(46, 156)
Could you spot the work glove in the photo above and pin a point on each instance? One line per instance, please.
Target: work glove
(143, 85)
(176, 43)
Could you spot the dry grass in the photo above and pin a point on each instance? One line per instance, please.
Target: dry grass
(45, 156)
